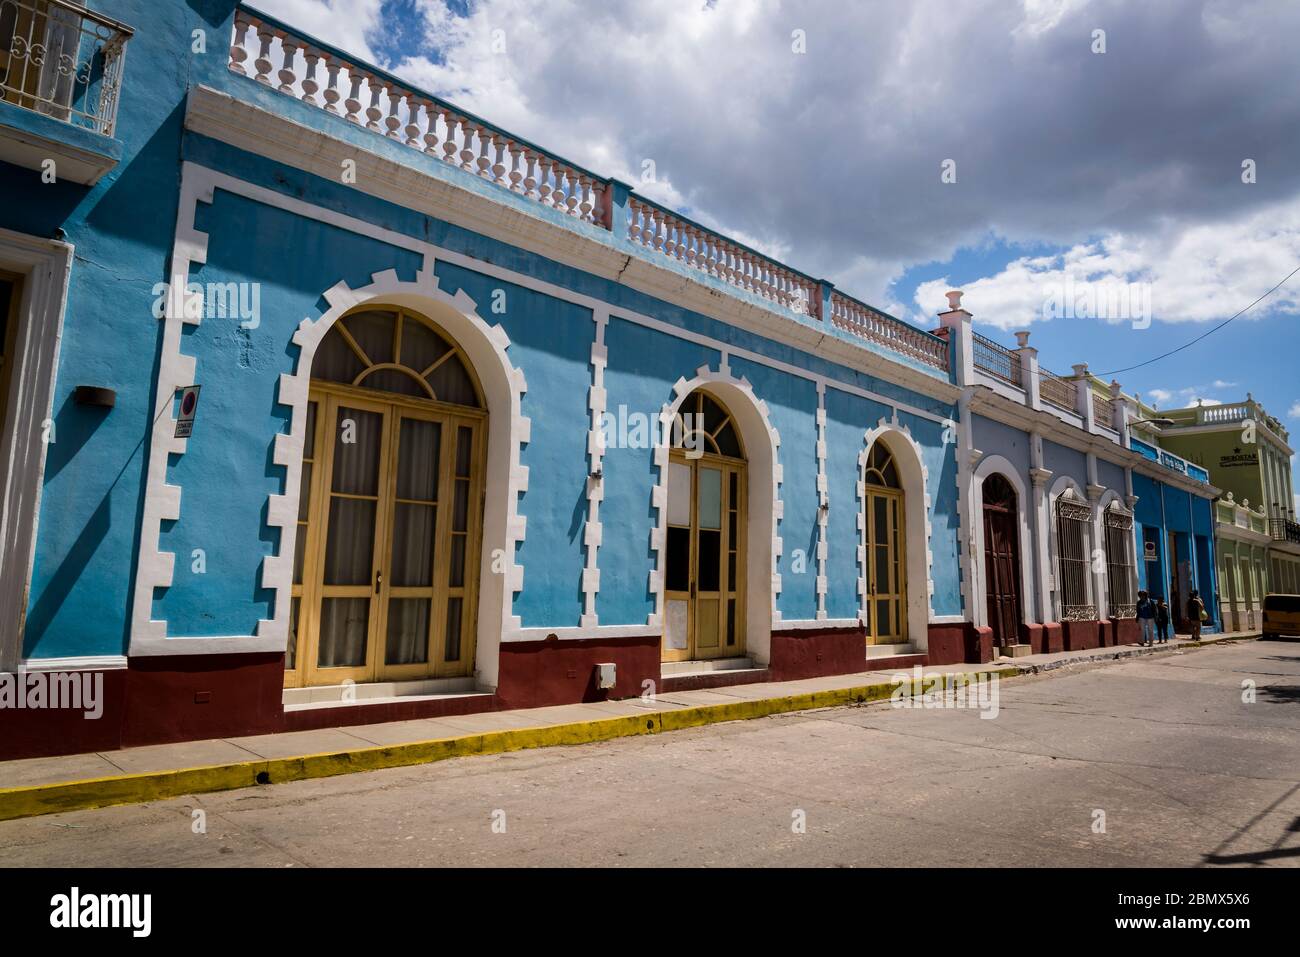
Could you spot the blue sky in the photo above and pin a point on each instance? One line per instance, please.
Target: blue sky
(1097, 140)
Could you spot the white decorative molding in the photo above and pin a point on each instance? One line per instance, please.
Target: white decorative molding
(1000, 465)
(761, 442)
(44, 265)
(82, 663)
(506, 478)
(915, 479)
(823, 501)
(592, 531)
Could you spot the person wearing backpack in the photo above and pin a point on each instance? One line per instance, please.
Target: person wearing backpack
(1196, 614)
(1162, 620)
(1146, 616)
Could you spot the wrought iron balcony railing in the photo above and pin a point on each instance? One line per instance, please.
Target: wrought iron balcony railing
(997, 360)
(1284, 530)
(62, 60)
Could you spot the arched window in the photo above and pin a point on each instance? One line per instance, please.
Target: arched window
(1072, 517)
(884, 542)
(881, 469)
(703, 424)
(392, 350)
(1119, 562)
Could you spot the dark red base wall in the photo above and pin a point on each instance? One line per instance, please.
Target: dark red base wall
(190, 697)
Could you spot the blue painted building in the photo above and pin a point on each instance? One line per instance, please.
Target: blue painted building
(475, 427)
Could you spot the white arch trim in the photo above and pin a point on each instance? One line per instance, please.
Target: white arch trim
(506, 479)
(763, 546)
(915, 478)
(1000, 465)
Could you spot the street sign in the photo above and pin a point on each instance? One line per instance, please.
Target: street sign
(1149, 551)
(189, 404)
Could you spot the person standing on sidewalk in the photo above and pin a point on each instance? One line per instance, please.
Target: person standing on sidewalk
(1162, 620)
(1146, 616)
(1196, 614)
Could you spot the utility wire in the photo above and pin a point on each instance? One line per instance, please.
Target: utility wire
(1209, 332)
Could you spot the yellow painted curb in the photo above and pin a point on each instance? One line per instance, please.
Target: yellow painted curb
(34, 800)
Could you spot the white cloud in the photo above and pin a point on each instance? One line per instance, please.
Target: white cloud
(1294, 411)
(1195, 273)
(346, 24)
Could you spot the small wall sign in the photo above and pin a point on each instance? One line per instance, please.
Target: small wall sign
(1149, 552)
(189, 405)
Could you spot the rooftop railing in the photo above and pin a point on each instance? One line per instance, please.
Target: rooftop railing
(1103, 409)
(1059, 391)
(319, 75)
(997, 360)
(1284, 530)
(62, 60)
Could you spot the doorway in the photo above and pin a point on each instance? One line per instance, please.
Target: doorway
(1002, 560)
(390, 508)
(704, 596)
(885, 540)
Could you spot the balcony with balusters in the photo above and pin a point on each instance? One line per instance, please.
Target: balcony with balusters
(61, 74)
(280, 58)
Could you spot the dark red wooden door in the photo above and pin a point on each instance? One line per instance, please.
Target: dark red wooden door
(1001, 560)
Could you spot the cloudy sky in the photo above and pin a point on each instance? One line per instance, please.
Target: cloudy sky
(1078, 168)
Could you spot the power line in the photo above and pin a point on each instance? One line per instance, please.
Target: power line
(1209, 332)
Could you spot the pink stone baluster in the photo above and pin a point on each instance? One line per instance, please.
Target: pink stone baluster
(467, 146)
(393, 121)
(530, 179)
(543, 184)
(431, 130)
(499, 166)
(484, 163)
(237, 52)
(309, 84)
(374, 112)
(288, 47)
(449, 143)
(332, 94)
(353, 103)
(516, 174)
(263, 62)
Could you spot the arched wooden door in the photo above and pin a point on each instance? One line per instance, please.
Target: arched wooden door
(1002, 560)
(390, 509)
(885, 548)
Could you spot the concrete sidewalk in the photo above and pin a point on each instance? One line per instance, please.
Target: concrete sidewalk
(51, 785)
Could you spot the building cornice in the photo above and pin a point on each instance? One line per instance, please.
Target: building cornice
(582, 246)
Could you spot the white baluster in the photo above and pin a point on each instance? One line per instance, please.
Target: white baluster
(353, 103)
(558, 192)
(412, 122)
(499, 167)
(661, 230)
(634, 221)
(530, 179)
(263, 62)
(692, 245)
(237, 52)
(599, 215)
(288, 47)
(374, 112)
(543, 184)
(449, 143)
(516, 176)
(584, 208)
(484, 163)
(672, 233)
(393, 121)
(431, 130)
(467, 145)
(571, 199)
(332, 94)
(309, 84)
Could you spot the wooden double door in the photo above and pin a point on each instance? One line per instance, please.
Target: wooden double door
(1002, 560)
(388, 544)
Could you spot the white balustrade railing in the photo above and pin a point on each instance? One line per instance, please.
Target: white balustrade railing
(657, 229)
(372, 99)
(272, 54)
(873, 325)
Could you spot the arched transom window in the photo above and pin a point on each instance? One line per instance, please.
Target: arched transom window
(393, 350)
(703, 424)
(881, 469)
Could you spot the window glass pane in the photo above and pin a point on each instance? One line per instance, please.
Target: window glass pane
(345, 622)
(731, 621)
(456, 562)
(710, 558)
(464, 450)
(304, 492)
(374, 334)
(309, 438)
(394, 380)
(421, 346)
(713, 415)
(710, 493)
(413, 528)
(419, 446)
(335, 361)
(678, 577)
(408, 631)
(728, 444)
(351, 542)
(679, 493)
(452, 640)
(291, 650)
(357, 441)
(299, 552)
(451, 383)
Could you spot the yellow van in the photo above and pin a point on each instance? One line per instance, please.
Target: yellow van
(1282, 616)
